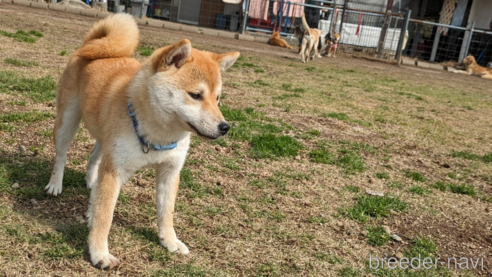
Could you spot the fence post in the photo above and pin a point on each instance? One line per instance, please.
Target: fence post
(434, 46)
(403, 31)
(384, 29)
(466, 41)
(245, 17)
(333, 17)
(341, 19)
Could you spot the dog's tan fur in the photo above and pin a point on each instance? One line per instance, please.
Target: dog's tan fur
(472, 68)
(275, 40)
(97, 85)
(309, 46)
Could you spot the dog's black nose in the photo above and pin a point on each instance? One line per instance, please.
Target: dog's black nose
(224, 128)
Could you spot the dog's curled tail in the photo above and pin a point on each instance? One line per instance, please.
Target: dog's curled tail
(304, 23)
(113, 37)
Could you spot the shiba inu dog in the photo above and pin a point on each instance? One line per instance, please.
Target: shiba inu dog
(275, 40)
(331, 43)
(310, 41)
(140, 115)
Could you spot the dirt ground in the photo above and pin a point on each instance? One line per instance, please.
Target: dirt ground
(254, 216)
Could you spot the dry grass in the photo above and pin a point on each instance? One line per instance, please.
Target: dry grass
(373, 126)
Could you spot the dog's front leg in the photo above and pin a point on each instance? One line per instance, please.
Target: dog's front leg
(167, 189)
(102, 203)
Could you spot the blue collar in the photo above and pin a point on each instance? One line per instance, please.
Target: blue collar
(146, 146)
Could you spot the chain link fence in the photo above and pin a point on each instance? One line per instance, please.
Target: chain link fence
(364, 28)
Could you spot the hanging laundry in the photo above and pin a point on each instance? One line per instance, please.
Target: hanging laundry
(357, 32)
(258, 9)
(446, 15)
(292, 10)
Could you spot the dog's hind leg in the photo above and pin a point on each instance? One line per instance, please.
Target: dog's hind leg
(93, 166)
(66, 125)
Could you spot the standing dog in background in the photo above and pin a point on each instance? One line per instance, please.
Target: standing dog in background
(327, 43)
(275, 40)
(331, 43)
(310, 41)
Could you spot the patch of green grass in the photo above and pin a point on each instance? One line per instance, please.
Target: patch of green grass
(440, 186)
(27, 117)
(311, 69)
(66, 243)
(23, 36)
(351, 188)
(348, 272)
(259, 70)
(17, 62)
(346, 118)
(410, 95)
(39, 90)
(377, 236)
(463, 189)
(351, 161)
(63, 53)
(374, 206)
(17, 103)
(421, 247)
(270, 146)
(420, 190)
(145, 51)
(330, 258)
(416, 176)
(395, 184)
(358, 146)
(184, 270)
(288, 87)
(6, 127)
(321, 155)
(317, 219)
(187, 182)
(339, 116)
(287, 96)
(486, 158)
(382, 175)
(35, 33)
(232, 114)
(248, 65)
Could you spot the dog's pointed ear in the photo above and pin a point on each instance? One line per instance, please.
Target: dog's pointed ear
(226, 60)
(178, 53)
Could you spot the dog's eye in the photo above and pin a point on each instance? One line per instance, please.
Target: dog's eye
(195, 95)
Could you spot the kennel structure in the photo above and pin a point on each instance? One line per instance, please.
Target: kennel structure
(426, 30)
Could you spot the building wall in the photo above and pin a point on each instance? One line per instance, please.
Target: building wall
(481, 14)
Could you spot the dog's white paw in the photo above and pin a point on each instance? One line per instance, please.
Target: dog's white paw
(103, 260)
(176, 246)
(303, 61)
(319, 56)
(53, 189)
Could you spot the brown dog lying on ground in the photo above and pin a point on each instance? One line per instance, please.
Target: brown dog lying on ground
(472, 68)
(275, 40)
